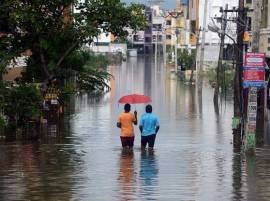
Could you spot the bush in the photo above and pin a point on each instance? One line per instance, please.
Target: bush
(22, 103)
(226, 83)
(186, 59)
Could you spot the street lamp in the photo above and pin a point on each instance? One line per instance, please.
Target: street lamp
(175, 15)
(176, 43)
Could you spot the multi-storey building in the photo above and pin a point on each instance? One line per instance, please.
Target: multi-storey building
(193, 17)
(177, 26)
(158, 36)
(145, 41)
(213, 11)
(212, 39)
(264, 43)
(265, 29)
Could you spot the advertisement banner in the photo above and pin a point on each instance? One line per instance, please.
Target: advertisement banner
(253, 75)
(254, 59)
(253, 70)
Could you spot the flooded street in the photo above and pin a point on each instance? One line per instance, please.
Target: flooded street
(193, 157)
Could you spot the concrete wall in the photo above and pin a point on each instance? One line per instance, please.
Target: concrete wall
(112, 47)
(13, 73)
(265, 41)
(211, 55)
(213, 8)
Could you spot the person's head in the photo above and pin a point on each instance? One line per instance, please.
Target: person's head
(127, 107)
(148, 108)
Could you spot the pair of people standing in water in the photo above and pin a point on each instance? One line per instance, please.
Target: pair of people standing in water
(148, 125)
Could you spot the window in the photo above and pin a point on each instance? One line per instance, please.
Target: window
(268, 40)
(249, 1)
(193, 26)
(268, 49)
(168, 22)
(148, 40)
(249, 21)
(168, 37)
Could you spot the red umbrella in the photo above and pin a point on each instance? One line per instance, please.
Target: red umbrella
(134, 99)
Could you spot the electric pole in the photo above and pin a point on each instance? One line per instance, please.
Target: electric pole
(202, 45)
(238, 100)
(220, 68)
(256, 19)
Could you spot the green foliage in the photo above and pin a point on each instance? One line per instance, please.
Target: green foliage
(22, 103)
(54, 33)
(185, 58)
(3, 122)
(94, 76)
(2, 103)
(227, 77)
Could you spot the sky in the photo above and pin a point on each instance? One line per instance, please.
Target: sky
(167, 4)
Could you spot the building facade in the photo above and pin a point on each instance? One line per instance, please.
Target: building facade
(193, 17)
(152, 38)
(265, 29)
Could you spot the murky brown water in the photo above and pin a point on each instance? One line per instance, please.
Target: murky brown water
(193, 157)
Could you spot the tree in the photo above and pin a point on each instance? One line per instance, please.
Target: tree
(186, 59)
(54, 33)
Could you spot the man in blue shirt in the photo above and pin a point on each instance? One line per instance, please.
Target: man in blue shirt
(149, 126)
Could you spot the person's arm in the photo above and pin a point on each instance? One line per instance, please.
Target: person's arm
(118, 124)
(141, 124)
(141, 128)
(135, 120)
(157, 126)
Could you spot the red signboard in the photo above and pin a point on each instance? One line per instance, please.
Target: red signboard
(254, 59)
(253, 75)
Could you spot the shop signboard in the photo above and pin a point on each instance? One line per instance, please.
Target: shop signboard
(251, 118)
(253, 70)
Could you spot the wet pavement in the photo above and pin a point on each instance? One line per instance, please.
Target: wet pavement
(193, 157)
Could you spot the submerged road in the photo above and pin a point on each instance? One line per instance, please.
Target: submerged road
(193, 157)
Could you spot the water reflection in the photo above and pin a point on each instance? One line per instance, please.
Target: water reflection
(127, 177)
(149, 175)
(193, 158)
(32, 172)
(251, 175)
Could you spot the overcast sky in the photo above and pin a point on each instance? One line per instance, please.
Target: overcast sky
(167, 4)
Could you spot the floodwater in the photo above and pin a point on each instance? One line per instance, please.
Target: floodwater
(193, 157)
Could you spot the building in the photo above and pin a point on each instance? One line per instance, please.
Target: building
(213, 11)
(212, 40)
(265, 29)
(193, 17)
(151, 39)
(158, 32)
(142, 40)
(177, 26)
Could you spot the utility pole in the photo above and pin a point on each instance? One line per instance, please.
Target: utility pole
(220, 68)
(238, 100)
(176, 53)
(256, 19)
(200, 70)
(156, 47)
(203, 36)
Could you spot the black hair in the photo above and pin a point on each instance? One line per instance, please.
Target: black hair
(148, 108)
(127, 107)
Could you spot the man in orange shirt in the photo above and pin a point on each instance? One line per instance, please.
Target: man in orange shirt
(125, 122)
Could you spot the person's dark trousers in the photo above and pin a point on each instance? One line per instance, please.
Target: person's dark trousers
(150, 140)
